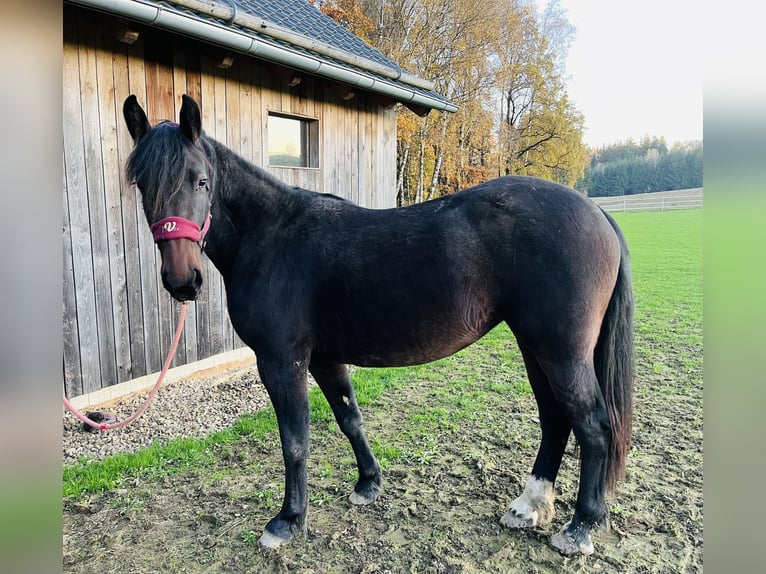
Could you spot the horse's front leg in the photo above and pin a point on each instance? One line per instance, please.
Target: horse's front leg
(285, 381)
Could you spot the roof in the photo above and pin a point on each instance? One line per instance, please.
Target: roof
(303, 18)
(291, 33)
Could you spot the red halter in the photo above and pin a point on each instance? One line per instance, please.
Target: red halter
(179, 227)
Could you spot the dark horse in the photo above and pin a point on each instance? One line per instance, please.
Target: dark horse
(315, 282)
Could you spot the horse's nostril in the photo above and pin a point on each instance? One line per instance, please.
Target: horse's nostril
(183, 289)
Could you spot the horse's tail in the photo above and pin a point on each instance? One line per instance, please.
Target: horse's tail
(614, 364)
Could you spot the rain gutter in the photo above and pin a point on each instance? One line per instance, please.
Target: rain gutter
(175, 21)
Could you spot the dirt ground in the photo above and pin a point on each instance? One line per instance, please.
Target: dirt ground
(457, 446)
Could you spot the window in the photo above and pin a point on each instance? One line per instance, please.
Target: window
(293, 141)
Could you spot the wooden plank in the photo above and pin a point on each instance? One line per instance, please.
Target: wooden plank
(207, 107)
(305, 97)
(388, 159)
(258, 114)
(79, 326)
(330, 145)
(352, 126)
(233, 142)
(152, 71)
(168, 109)
(285, 94)
(232, 109)
(72, 369)
(374, 156)
(111, 174)
(146, 247)
(245, 109)
(130, 221)
(346, 167)
(158, 53)
(364, 130)
(96, 206)
(247, 127)
(193, 74)
(214, 278)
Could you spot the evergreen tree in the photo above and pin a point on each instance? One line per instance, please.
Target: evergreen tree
(628, 168)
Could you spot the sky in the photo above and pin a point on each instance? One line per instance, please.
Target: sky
(636, 68)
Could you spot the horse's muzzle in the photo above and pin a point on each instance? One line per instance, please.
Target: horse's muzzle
(181, 271)
(185, 290)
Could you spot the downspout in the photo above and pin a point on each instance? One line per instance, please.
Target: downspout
(175, 21)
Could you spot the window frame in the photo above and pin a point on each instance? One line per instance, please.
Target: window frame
(309, 144)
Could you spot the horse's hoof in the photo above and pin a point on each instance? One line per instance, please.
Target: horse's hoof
(360, 500)
(363, 499)
(280, 531)
(571, 541)
(533, 508)
(365, 493)
(512, 519)
(269, 541)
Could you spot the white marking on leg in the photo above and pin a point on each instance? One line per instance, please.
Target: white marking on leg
(346, 400)
(534, 507)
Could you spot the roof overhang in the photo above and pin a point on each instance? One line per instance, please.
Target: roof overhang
(266, 48)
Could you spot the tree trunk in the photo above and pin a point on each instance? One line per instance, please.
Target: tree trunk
(422, 166)
(400, 175)
(439, 158)
(435, 178)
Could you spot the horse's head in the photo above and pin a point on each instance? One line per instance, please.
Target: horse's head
(170, 168)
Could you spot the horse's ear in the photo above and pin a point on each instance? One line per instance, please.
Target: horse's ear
(191, 122)
(135, 118)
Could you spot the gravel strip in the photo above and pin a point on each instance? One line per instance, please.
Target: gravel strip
(197, 406)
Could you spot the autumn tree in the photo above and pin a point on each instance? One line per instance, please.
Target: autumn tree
(502, 63)
(541, 131)
(447, 43)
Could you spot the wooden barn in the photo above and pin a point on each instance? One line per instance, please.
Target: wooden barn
(277, 81)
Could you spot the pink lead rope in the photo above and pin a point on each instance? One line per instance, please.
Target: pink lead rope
(157, 385)
(164, 229)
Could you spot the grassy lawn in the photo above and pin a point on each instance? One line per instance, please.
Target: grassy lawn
(667, 262)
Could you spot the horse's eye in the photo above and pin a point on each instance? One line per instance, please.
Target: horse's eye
(202, 182)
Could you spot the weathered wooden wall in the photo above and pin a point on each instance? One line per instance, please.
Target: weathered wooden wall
(118, 321)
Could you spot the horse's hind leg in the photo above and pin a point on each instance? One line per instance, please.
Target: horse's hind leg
(535, 505)
(576, 387)
(336, 385)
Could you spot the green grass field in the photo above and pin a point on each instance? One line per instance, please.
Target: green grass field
(667, 265)
(666, 250)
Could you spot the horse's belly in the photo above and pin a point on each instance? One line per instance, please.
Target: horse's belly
(399, 342)
(415, 355)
